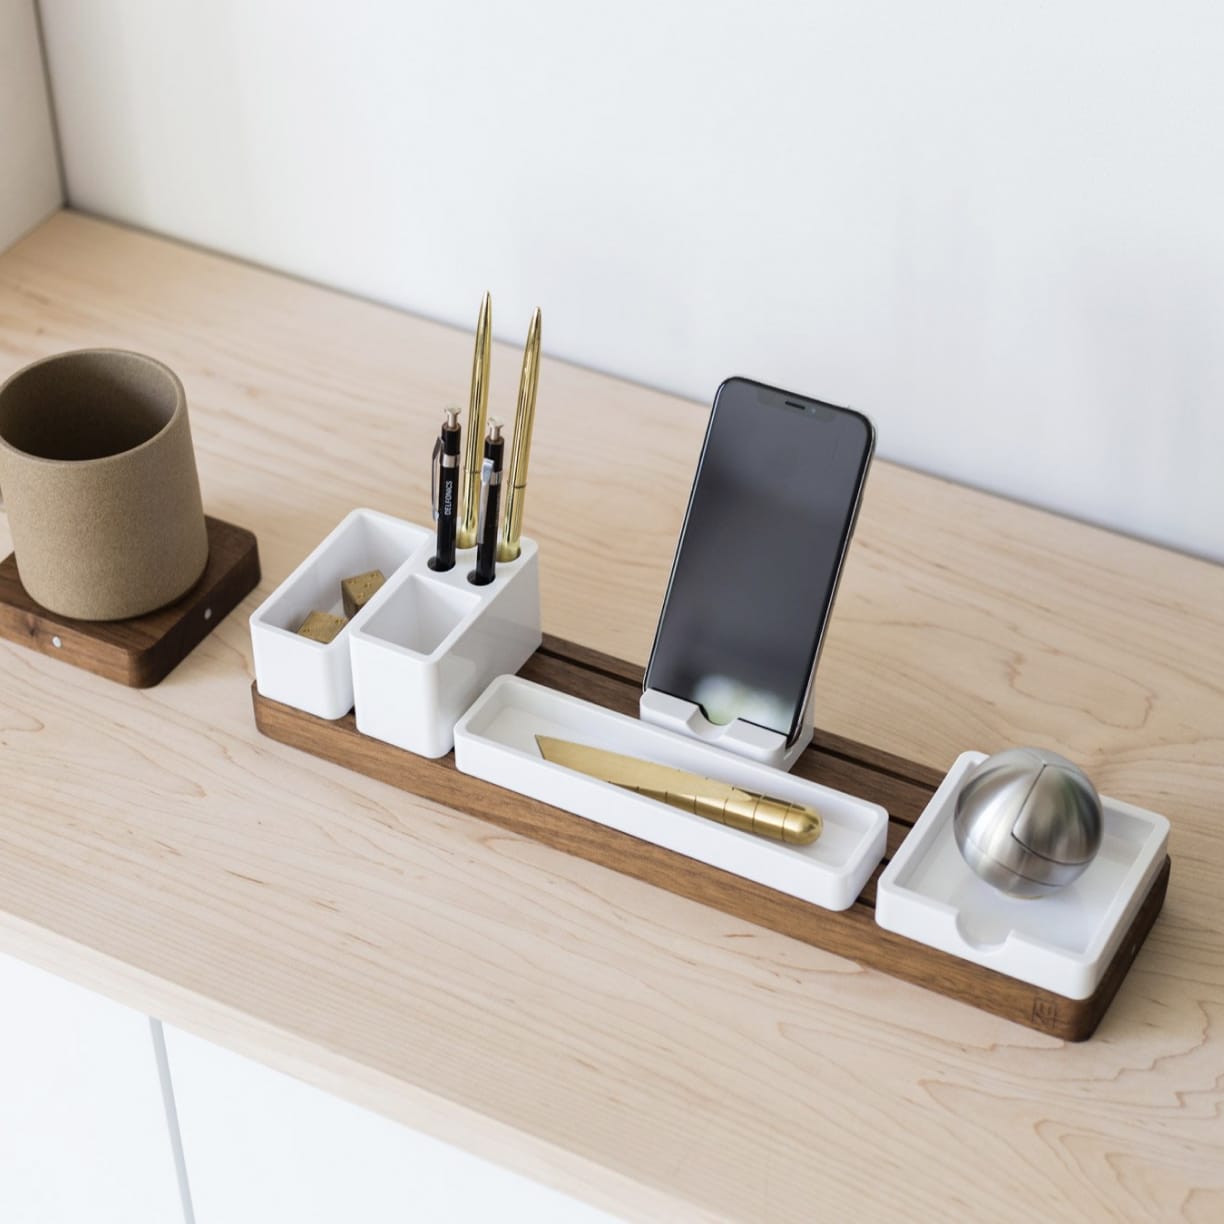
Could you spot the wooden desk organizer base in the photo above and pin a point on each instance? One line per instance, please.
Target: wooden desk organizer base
(142, 651)
(901, 786)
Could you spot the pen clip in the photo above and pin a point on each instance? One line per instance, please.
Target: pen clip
(486, 478)
(435, 468)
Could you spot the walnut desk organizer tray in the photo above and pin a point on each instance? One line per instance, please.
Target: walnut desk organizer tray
(824, 894)
(142, 650)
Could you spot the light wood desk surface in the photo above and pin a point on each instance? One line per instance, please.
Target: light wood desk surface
(639, 1050)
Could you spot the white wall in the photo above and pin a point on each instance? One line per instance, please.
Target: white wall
(996, 227)
(29, 170)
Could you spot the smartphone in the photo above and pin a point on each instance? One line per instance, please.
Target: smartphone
(768, 524)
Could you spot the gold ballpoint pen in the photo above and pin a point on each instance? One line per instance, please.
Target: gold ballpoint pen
(524, 418)
(478, 407)
(773, 818)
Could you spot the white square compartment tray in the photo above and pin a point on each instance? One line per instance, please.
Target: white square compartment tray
(315, 676)
(1063, 942)
(418, 654)
(495, 740)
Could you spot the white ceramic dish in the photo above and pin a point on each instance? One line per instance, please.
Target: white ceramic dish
(495, 740)
(1063, 942)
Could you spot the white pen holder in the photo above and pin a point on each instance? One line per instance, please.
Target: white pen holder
(744, 739)
(435, 642)
(419, 652)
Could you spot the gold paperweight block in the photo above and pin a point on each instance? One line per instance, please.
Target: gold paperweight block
(357, 591)
(321, 626)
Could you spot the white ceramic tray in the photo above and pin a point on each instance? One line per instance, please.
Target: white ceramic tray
(495, 740)
(314, 676)
(1063, 942)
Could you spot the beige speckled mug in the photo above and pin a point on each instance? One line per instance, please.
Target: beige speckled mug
(99, 482)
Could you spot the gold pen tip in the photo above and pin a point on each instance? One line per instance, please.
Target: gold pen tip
(484, 320)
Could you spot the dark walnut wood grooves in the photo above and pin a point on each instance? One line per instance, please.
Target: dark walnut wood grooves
(142, 651)
(902, 786)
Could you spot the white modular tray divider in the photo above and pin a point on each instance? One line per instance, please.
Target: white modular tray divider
(1063, 942)
(435, 642)
(314, 676)
(495, 740)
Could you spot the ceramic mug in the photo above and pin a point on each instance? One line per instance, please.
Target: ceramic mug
(99, 483)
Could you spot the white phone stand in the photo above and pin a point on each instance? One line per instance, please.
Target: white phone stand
(745, 739)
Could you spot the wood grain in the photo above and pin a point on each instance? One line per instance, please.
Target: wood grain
(596, 1032)
(852, 932)
(142, 651)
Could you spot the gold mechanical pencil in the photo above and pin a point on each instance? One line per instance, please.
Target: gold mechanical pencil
(478, 407)
(524, 420)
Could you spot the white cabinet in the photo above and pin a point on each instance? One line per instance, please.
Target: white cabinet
(262, 1147)
(85, 1137)
(83, 1134)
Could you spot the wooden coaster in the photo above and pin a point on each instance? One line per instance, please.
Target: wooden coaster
(902, 786)
(139, 652)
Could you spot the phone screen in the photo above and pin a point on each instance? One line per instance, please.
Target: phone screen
(755, 573)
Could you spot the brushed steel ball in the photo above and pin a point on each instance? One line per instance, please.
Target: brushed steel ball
(1028, 821)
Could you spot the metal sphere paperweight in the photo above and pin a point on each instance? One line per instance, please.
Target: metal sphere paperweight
(1028, 821)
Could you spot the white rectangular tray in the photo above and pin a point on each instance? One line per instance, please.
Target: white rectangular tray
(1063, 942)
(495, 740)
